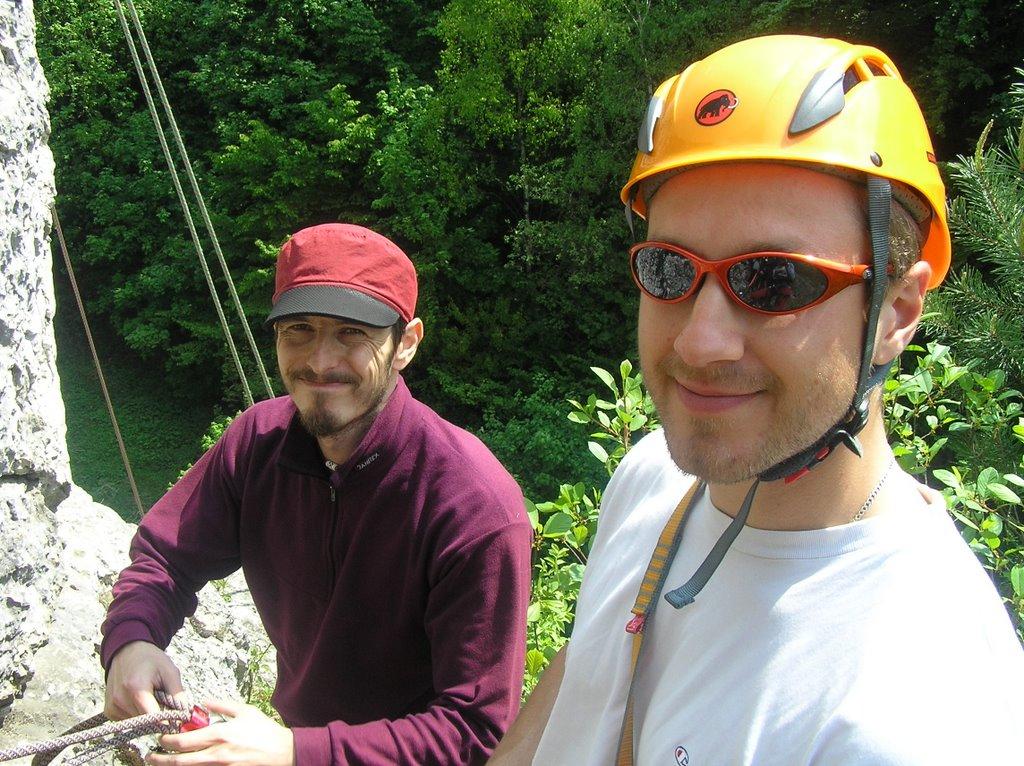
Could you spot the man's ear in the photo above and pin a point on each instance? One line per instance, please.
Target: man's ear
(411, 339)
(901, 310)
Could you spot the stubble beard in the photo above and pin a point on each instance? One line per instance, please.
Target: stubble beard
(700, 446)
(321, 422)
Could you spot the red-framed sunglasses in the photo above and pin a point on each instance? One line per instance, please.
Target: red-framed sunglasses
(767, 283)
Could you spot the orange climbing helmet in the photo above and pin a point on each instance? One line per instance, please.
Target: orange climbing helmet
(806, 100)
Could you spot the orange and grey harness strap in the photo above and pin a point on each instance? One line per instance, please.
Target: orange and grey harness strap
(646, 599)
(654, 580)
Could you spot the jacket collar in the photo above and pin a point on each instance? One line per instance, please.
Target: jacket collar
(379, 446)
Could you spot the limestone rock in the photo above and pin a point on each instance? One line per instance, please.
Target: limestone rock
(32, 429)
(60, 552)
(34, 469)
(219, 661)
(29, 581)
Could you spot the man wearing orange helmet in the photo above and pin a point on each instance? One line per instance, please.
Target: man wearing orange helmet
(796, 218)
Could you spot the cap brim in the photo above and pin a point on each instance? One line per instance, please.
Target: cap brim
(338, 302)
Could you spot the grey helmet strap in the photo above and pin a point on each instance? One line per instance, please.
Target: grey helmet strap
(879, 205)
(845, 431)
(629, 211)
(687, 592)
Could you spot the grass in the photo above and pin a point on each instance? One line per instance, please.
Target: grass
(161, 431)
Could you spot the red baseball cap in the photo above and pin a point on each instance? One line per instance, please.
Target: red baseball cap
(344, 271)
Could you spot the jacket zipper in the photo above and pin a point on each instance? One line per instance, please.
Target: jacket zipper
(331, 562)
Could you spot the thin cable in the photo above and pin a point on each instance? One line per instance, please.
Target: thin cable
(96, 361)
(184, 204)
(151, 63)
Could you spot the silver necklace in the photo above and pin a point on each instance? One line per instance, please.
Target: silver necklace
(871, 498)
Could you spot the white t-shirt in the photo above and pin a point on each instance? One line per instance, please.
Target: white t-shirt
(876, 642)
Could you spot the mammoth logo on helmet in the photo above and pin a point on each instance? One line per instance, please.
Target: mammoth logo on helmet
(715, 107)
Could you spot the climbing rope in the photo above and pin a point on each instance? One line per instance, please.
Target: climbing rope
(184, 205)
(175, 179)
(173, 124)
(96, 361)
(105, 735)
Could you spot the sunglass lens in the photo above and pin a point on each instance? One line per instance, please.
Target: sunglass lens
(776, 284)
(663, 274)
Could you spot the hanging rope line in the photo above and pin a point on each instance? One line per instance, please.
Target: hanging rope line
(207, 221)
(175, 179)
(184, 206)
(96, 362)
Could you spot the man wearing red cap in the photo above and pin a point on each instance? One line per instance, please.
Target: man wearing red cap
(387, 551)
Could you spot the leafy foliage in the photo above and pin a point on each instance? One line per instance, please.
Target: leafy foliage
(488, 138)
(981, 309)
(271, 101)
(528, 434)
(964, 431)
(210, 437)
(507, 205)
(564, 527)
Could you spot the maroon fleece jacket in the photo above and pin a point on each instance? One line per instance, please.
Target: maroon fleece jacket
(394, 588)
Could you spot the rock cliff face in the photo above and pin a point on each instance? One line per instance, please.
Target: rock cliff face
(34, 471)
(59, 551)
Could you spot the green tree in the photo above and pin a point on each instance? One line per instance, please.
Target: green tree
(489, 139)
(486, 180)
(270, 99)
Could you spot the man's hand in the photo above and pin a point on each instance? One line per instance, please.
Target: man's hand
(136, 670)
(247, 738)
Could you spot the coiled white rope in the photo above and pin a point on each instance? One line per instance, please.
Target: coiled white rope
(107, 735)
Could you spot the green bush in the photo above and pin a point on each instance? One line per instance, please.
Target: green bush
(564, 527)
(489, 139)
(527, 432)
(980, 310)
(212, 435)
(962, 430)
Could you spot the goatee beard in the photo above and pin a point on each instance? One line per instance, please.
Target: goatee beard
(321, 423)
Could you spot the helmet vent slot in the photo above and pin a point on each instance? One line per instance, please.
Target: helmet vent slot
(645, 136)
(850, 78)
(876, 68)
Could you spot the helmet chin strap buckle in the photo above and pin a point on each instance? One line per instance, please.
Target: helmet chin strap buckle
(845, 435)
(851, 442)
